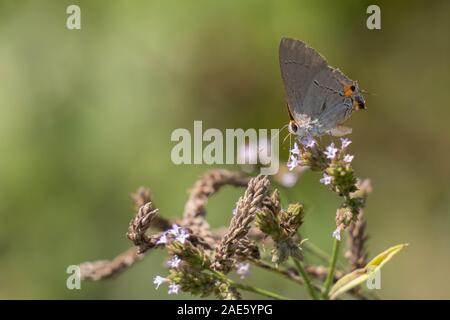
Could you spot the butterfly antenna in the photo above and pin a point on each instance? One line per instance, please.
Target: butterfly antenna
(282, 128)
(278, 133)
(367, 92)
(285, 138)
(290, 142)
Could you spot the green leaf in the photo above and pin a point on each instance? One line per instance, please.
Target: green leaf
(358, 276)
(385, 256)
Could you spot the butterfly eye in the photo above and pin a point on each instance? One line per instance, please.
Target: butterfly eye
(293, 127)
(352, 88)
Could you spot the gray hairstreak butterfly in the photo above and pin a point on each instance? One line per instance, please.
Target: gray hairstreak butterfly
(320, 98)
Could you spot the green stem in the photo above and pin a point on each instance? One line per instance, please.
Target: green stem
(319, 252)
(297, 279)
(249, 288)
(266, 266)
(305, 276)
(260, 291)
(288, 275)
(332, 268)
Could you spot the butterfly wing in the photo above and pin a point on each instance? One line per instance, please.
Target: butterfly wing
(313, 89)
(324, 99)
(299, 64)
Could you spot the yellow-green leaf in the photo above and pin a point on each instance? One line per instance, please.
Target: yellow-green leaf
(385, 256)
(355, 278)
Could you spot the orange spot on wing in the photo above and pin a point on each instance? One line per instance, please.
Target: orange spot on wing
(348, 90)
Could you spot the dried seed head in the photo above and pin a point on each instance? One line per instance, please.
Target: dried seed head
(195, 208)
(292, 219)
(140, 223)
(240, 223)
(356, 253)
(272, 202)
(246, 249)
(282, 227)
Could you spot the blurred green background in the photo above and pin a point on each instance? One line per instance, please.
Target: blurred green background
(86, 117)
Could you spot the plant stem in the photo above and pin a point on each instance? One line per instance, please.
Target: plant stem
(332, 268)
(249, 288)
(319, 252)
(305, 276)
(285, 273)
(294, 277)
(260, 291)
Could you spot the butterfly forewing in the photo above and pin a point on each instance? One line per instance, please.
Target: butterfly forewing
(312, 87)
(299, 64)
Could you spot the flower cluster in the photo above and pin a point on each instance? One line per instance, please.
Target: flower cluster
(307, 152)
(200, 271)
(173, 287)
(281, 225)
(339, 174)
(201, 259)
(298, 154)
(335, 164)
(190, 271)
(176, 233)
(186, 265)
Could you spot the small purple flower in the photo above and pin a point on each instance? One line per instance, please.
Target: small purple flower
(158, 280)
(295, 150)
(345, 143)
(326, 179)
(337, 234)
(183, 234)
(174, 262)
(331, 151)
(243, 269)
(174, 288)
(175, 229)
(308, 141)
(292, 163)
(162, 239)
(348, 158)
